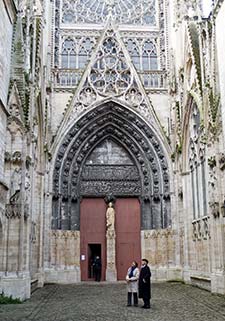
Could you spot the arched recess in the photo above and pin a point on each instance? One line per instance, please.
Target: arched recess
(194, 160)
(193, 129)
(148, 179)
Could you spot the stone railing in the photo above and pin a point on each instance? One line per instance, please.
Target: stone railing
(66, 77)
(70, 78)
(154, 79)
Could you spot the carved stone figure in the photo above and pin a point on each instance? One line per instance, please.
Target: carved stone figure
(110, 217)
(16, 181)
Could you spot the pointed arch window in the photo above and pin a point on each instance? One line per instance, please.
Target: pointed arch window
(136, 58)
(149, 56)
(84, 52)
(82, 58)
(68, 56)
(143, 55)
(134, 53)
(75, 53)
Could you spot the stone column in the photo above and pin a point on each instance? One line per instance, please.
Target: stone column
(111, 274)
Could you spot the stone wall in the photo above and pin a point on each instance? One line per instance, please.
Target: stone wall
(6, 24)
(220, 25)
(159, 247)
(64, 265)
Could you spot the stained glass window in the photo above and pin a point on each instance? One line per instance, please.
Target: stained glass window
(142, 12)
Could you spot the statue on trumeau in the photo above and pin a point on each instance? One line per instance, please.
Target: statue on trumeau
(110, 217)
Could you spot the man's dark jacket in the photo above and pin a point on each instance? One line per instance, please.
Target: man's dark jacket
(144, 283)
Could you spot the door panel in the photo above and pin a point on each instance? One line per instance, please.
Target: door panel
(128, 241)
(92, 231)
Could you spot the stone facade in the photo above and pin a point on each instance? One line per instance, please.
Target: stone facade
(148, 87)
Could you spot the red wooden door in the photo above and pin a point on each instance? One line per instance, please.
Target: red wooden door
(92, 233)
(128, 239)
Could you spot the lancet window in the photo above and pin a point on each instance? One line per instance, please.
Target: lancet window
(149, 56)
(143, 54)
(75, 53)
(68, 59)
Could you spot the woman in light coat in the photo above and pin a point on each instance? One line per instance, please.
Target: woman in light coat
(132, 284)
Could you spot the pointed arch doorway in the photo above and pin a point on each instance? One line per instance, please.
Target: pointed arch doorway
(110, 164)
(110, 151)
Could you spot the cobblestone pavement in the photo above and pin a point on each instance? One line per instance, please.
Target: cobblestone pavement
(107, 302)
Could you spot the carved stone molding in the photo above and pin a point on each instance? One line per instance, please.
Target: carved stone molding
(13, 211)
(59, 234)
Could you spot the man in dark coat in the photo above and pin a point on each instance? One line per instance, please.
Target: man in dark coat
(144, 284)
(97, 267)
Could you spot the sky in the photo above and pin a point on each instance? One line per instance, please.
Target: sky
(206, 4)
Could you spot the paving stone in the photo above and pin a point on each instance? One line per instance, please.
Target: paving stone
(107, 302)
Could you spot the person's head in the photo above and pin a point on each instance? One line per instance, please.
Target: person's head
(134, 264)
(110, 204)
(144, 262)
(97, 257)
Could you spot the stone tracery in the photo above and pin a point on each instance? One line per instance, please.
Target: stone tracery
(124, 11)
(110, 73)
(147, 50)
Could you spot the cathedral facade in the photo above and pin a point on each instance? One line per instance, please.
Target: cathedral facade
(112, 141)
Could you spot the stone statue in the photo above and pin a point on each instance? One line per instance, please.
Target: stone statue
(110, 217)
(16, 182)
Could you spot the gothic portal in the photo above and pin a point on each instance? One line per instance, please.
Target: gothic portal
(113, 155)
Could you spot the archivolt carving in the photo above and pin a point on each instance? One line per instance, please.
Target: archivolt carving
(149, 179)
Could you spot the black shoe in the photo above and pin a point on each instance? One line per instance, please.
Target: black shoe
(128, 305)
(135, 305)
(146, 307)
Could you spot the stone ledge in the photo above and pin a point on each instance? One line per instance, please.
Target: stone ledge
(33, 285)
(201, 278)
(201, 282)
